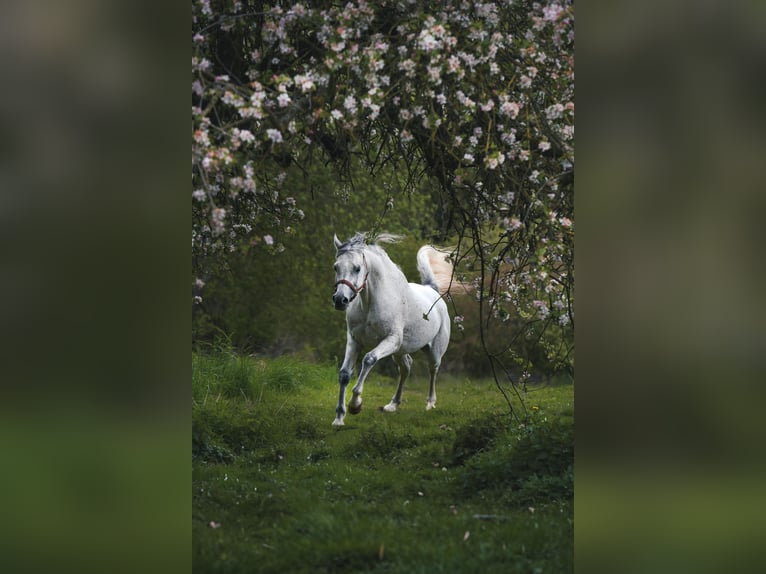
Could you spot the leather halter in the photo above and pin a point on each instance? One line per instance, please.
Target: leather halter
(353, 287)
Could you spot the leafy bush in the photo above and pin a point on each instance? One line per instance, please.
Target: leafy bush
(222, 372)
(290, 374)
(531, 463)
(207, 448)
(382, 442)
(221, 431)
(477, 436)
(218, 433)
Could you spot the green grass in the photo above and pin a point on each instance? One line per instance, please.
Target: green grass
(461, 488)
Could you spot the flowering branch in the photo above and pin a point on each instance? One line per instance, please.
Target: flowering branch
(477, 96)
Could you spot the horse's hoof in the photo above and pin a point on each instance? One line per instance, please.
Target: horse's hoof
(355, 409)
(337, 423)
(389, 408)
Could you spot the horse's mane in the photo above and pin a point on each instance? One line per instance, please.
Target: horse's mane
(360, 240)
(364, 241)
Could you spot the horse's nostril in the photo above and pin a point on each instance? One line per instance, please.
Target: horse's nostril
(339, 300)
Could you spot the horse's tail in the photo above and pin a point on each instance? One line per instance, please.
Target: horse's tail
(436, 269)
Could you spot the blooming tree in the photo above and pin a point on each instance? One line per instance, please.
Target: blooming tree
(478, 96)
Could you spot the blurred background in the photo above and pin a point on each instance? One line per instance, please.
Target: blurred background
(95, 275)
(671, 337)
(94, 312)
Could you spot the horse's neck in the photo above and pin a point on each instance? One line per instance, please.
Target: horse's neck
(386, 276)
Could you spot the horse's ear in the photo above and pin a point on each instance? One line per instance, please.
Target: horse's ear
(337, 241)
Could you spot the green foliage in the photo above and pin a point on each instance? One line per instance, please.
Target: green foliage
(276, 489)
(219, 432)
(531, 463)
(477, 436)
(229, 374)
(205, 447)
(382, 442)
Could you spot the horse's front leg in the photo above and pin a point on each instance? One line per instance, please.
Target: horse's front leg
(385, 348)
(344, 376)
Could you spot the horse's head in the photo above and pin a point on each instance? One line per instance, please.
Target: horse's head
(350, 273)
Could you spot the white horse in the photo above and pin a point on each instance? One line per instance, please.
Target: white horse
(388, 315)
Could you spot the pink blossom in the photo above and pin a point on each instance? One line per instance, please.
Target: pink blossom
(274, 135)
(305, 82)
(427, 42)
(201, 137)
(298, 10)
(552, 12)
(409, 67)
(350, 104)
(542, 308)
(554, 112)
(246, 136)
(201, 65)
(232, 99)
(510, 109)
(495, 160)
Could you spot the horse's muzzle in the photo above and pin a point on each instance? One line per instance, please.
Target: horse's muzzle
(340, 301)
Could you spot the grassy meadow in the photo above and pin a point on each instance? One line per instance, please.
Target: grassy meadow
(462, 488)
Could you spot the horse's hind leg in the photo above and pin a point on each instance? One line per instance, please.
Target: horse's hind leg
(435, 352)
(404, 362)
(433, 368)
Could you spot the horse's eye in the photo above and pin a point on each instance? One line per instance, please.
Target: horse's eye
(357, 269)
(336, 268)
